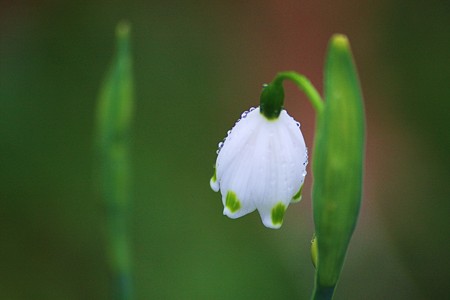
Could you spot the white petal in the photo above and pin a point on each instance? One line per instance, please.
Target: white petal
(237, 140)
(236, 180)
(214, 184)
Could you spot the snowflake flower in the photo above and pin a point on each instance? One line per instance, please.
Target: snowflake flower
(261, 165)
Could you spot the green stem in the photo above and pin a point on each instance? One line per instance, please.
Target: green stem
(119, 253)
(304, 85)
(117, 195)
(322, 293)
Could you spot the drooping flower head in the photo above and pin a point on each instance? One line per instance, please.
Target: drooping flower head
(261, 164)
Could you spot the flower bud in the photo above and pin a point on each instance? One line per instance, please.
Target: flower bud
(337, 163)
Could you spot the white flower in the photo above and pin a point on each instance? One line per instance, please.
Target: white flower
(261, 165)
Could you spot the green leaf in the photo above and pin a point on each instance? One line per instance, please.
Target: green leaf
(114, 116)
(337, 165)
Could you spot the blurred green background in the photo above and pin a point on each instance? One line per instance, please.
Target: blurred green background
(198, 65)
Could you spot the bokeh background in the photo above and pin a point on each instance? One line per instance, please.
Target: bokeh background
(198, 65)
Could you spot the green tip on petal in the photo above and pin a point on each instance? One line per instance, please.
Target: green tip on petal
(214, 178)
(298, 196)
(232, 202)
(213, 182)
(278, 213)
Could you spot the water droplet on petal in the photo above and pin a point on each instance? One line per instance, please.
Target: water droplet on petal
(244, 114)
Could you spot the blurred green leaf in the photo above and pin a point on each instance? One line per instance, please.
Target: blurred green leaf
(114, 118)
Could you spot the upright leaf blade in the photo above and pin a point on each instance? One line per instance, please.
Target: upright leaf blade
(114, 116)
(337, 165)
